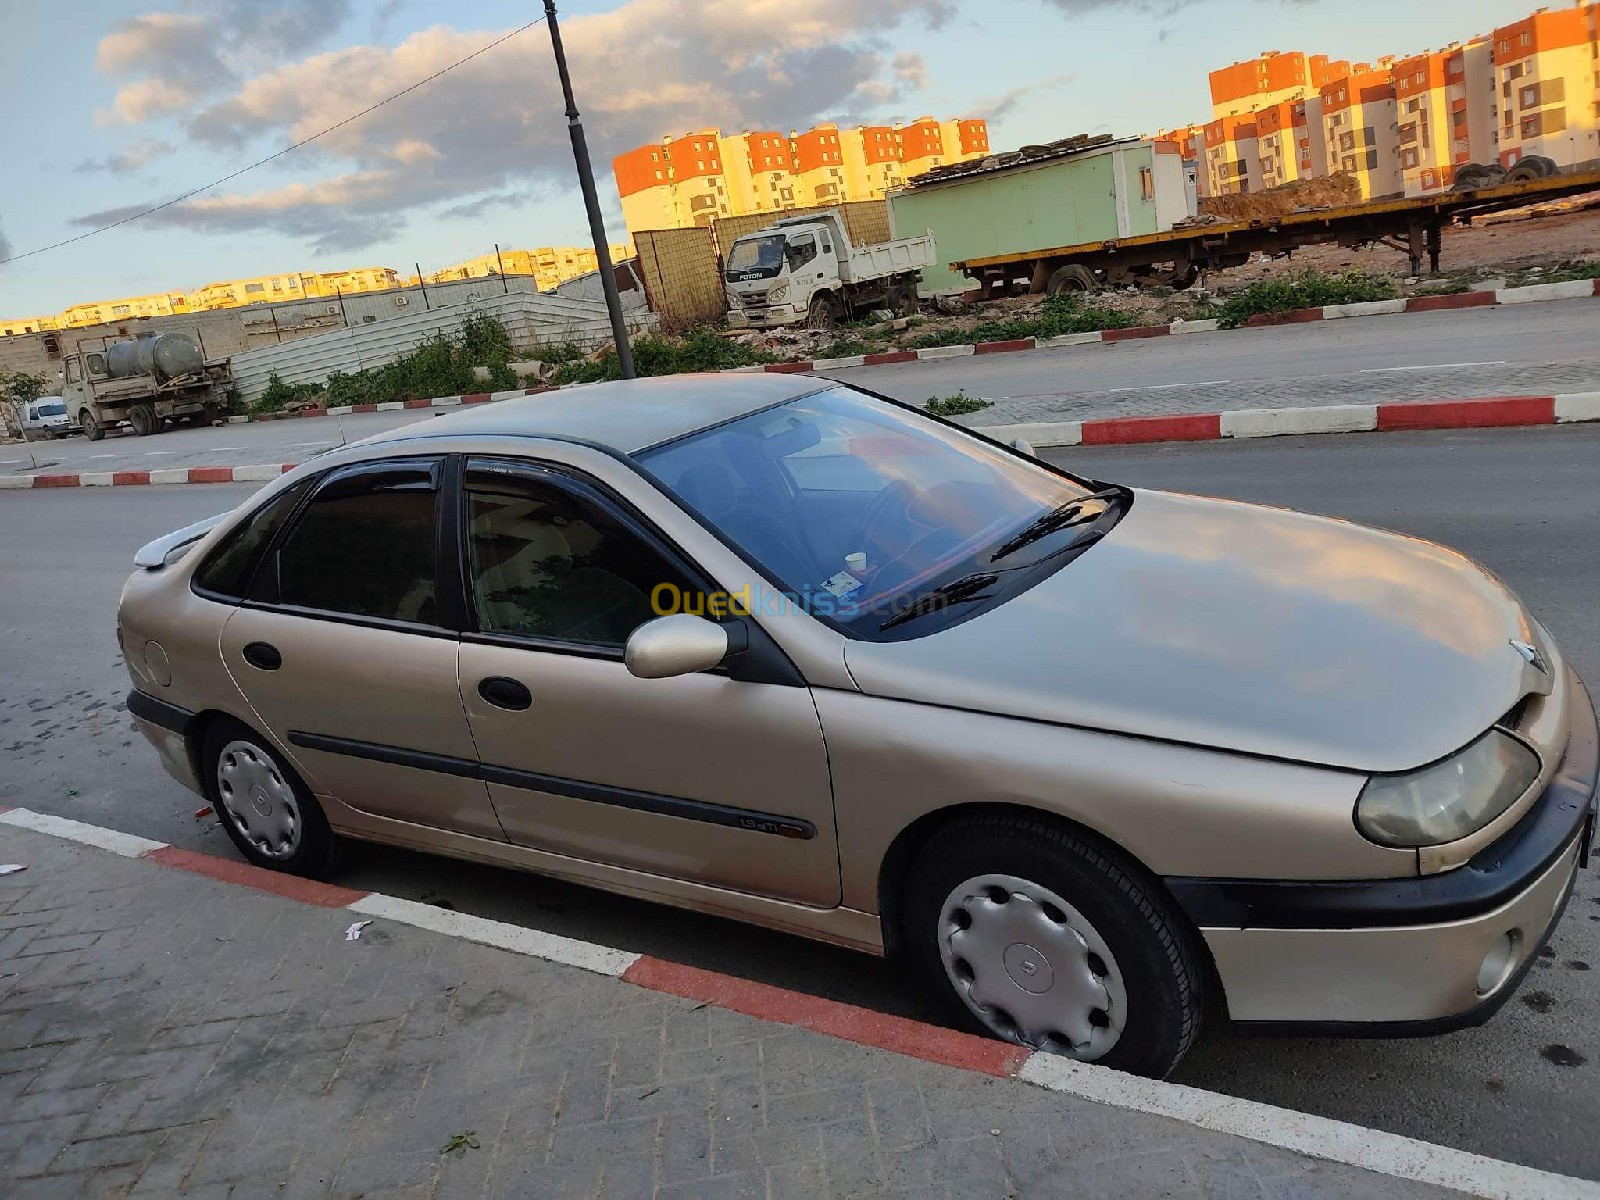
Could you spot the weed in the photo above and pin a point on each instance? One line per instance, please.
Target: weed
(1303, 289)
(958, 405)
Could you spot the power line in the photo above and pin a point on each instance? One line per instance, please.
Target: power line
(277, 154)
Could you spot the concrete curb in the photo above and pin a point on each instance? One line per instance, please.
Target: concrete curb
(1479, 413)
(1572, 290)
(1316, 1137)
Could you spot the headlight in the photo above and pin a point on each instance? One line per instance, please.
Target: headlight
(778, 293)
(1450, 799)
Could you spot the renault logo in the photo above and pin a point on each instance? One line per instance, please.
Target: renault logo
(1531, 655)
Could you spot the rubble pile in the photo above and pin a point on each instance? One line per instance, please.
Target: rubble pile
(1302, 195)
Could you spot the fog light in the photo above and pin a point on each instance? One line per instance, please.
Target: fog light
(1498, 963)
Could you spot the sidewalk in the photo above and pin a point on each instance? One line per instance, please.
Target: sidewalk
(164, 1033)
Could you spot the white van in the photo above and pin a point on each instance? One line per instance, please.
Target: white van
(45, 417)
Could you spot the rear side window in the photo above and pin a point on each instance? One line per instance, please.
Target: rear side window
(228, 569)
(366, 546)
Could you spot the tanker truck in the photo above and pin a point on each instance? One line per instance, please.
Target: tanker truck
(147, 381)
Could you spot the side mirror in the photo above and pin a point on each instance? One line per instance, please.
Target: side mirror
(1024, 446)
(677, 645)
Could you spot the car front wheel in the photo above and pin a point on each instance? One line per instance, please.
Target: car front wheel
(267, 810)
(1049, 940)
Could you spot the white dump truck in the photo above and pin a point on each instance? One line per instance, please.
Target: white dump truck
(147, 381)
(806, 269)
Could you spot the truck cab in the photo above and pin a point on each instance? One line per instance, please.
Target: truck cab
(773, 275)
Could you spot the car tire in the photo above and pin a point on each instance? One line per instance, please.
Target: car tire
(1121, 978)
(92, 429)
(268, 811)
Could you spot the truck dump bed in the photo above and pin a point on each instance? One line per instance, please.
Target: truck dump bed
(888, 258)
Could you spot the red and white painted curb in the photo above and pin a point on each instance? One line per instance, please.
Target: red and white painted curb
(1478, 413)
(1574, 290)
(1316, 1137)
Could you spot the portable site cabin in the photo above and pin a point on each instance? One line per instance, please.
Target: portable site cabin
(1063, 194)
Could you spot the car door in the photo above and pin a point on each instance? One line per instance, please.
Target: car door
(343, 651)
(705, 777)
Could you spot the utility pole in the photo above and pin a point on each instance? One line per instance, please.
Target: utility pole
(501, 263)
(591, 201)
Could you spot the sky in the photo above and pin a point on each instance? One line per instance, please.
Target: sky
(112, 106)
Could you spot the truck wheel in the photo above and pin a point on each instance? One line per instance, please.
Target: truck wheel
(143, 419)
(92, 429)
(824, 313)
(209, 415)
(903, 300)
(1071, 278)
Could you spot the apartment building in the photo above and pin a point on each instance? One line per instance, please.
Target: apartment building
(21, 325)
(549, 266)
(695, 179)
(98, 312)
(1547, 67)
(1360, 126)
(1232, 162)
(872, 160)
(1271, 78)
(1446, 111)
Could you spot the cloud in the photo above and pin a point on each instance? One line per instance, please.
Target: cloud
(495, 126)
(140, 154)
(1002, 106)
(178, 58)
(5, 246)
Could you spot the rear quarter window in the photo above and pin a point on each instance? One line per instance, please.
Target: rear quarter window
(227, 570)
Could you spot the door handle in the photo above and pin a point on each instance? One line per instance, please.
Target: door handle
(259, 654)
(505, 693)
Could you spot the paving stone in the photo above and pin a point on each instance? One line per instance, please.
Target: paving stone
(168, 1035)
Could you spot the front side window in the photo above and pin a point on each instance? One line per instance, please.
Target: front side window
(546, 559)
(856, 508)
(366, 546)
(801, 251)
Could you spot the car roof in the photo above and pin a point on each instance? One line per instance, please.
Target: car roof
(623, 416)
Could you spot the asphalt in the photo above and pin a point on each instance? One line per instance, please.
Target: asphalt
(1538, 349)
(1523, 502)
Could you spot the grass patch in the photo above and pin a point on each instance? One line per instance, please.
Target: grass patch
(849, 347)
(1060, 315)
(280, 395)
(1565, 272)
(1303, 289)
(958, 405)
(654, 354)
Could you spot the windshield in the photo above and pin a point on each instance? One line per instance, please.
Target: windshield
(859, 508)
(50, 408)
(763, 254)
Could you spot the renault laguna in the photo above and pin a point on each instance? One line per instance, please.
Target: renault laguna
(1088, 760)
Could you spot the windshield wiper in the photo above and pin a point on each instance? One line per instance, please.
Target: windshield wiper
(968, 587)
(1060, 517)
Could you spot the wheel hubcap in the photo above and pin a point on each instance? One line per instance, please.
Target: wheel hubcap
(1031, 967)
(258, 800)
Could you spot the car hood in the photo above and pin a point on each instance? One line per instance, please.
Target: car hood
(1243, 628)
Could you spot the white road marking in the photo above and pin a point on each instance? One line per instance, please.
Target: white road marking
(1319, 1137)
(297, 445)
(1168, 387)
(105, 456)
(603, 960)
(1499, 362)
(125, 844)
(154, 453)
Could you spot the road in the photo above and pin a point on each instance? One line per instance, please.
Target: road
(1513, 350)
(1523, 502)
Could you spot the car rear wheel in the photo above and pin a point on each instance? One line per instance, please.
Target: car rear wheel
(1034, 935)
(267, 810)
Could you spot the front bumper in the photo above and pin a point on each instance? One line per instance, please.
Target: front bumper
(767, 317)
(1403, 956)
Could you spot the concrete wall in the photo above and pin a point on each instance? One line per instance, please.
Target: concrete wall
(230, 331)
(532, 320)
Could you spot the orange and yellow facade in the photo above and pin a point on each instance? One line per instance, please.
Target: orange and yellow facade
(1547, 70)
(701, 176)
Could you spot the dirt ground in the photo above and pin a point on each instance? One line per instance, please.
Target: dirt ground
(1483, 249)
(1509, 248)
